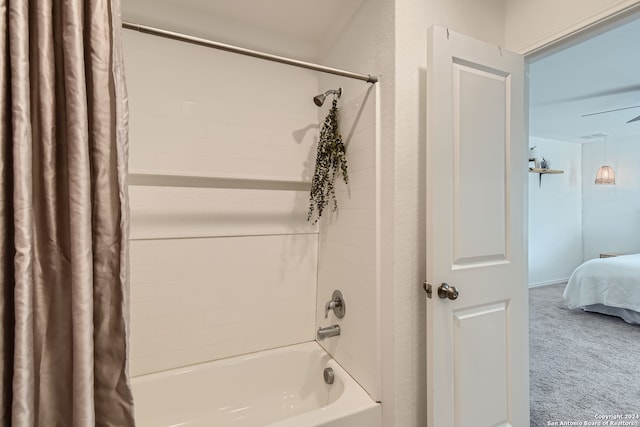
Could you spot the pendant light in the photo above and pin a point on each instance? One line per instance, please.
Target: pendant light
(605, 174)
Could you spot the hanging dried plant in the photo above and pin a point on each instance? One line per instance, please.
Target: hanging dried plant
(331, 159)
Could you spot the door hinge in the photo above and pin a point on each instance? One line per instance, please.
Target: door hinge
(427, 288)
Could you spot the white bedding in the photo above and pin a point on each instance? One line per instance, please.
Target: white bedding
(612, 282)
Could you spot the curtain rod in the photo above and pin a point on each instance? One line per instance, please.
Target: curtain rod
(248, 52)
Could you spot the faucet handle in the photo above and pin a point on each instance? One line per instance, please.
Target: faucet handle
(331, 305)
(336, 304)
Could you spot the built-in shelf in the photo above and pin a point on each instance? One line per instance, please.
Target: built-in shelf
(185, 179)
(541, 172)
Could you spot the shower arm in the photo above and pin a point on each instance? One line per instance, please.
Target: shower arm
(337, 92)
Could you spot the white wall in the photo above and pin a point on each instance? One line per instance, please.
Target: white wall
(217, 272)
(403, 261)
(580, 218)
(555, 214)
(611, 213)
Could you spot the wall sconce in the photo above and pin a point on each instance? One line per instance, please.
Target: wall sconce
(605, 174)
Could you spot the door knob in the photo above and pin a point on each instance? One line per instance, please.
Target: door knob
(446, 291)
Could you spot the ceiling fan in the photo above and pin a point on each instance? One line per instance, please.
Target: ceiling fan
(635, 119)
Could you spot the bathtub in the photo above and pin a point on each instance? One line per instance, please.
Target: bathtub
(283, 387)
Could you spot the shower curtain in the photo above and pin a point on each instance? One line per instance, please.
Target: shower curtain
(63, 215)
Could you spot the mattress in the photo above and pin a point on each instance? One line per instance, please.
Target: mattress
(607, 285)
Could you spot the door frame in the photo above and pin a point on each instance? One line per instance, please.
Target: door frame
(581, 30)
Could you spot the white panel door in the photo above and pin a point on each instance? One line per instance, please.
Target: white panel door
(477, 343)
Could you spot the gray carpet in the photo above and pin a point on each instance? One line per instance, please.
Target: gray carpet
(582, 364)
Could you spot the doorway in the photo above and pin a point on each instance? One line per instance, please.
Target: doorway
(583, 91)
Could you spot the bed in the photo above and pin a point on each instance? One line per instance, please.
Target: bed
(607, 285)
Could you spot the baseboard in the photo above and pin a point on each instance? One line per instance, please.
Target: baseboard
(549, 283)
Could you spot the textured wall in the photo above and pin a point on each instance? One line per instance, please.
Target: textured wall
(484, 21)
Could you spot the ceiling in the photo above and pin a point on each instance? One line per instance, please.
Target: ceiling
(595, 75)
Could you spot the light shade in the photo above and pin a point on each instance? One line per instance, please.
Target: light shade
(605, 175)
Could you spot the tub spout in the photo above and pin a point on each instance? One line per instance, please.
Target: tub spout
(328, 331)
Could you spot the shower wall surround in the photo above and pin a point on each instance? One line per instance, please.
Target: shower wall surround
(217, 272)
(347, 249)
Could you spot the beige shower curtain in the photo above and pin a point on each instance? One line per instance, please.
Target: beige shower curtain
(63, 215)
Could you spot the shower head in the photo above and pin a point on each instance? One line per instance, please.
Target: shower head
(319, 99)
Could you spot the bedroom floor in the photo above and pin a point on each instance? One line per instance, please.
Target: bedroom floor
(583, 367)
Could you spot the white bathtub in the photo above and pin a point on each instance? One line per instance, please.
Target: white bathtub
(283, 387)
